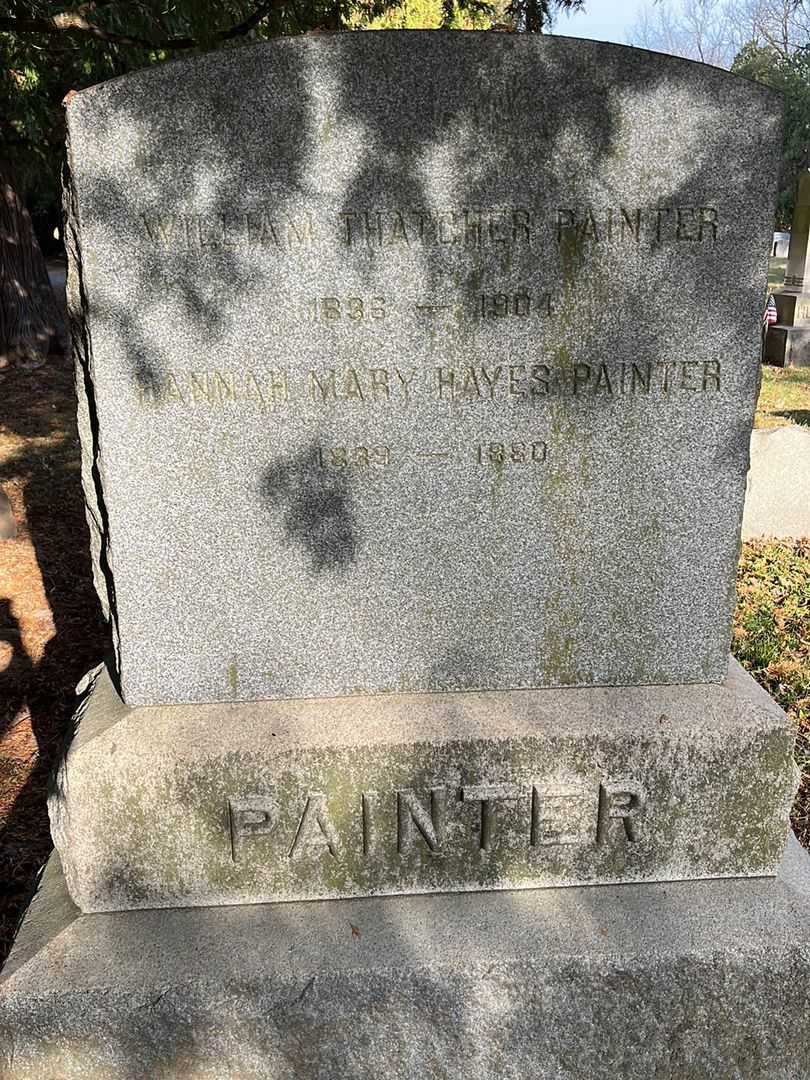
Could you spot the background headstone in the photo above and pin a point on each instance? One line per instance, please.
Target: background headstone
(787, 343)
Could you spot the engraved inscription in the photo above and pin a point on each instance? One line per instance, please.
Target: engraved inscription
(564, 815)
(464, 227)
(501, 305)
(515, 453)
(332, 309)
(622, 804)
(316, 831)
(636, 224)
(456, 228)
(347, 457)
(249, 817)
(391, 386)
(445, 820)
(216, 388)
(199, 232)
(360, 384)
(488, 795)
(414, 820)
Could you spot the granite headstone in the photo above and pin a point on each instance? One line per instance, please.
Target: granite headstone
(418, 362)
(787, 343)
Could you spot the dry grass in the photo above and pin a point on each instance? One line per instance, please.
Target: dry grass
(784, 397)
(772, 640)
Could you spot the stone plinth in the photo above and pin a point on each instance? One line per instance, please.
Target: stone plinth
(391, 398)
(229, 804)
(787, 346)
(698, 980)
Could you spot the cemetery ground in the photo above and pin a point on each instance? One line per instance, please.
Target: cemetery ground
(51, 630)
(784, 397)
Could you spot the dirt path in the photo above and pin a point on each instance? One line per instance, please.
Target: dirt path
(51, 630)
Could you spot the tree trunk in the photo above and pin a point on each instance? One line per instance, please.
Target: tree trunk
(31, 325)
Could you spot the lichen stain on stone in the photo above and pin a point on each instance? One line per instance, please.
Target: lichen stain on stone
(563, 633)
(233, 678)
(326, 130)
(496, 488)
(572, 260)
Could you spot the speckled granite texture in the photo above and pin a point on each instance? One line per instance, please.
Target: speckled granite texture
(688, 981)
(180, 806)
(418, 361)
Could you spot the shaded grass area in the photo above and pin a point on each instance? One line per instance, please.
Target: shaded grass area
(784, 397)
(772, 640)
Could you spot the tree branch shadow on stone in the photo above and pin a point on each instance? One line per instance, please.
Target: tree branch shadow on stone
(318, 515)
(315, 507)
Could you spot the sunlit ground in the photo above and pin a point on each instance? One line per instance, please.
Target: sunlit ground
(784, 397)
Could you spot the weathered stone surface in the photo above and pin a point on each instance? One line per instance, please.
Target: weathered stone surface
(778, 499)
(418, 362)
(225, 804)
(643, 982)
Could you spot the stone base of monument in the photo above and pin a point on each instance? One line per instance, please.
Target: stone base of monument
(698, 979)
(185, 806)
(787, 346)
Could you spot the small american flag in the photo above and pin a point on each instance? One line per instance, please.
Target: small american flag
(770, 316)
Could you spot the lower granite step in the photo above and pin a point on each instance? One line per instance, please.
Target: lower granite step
(687, 981)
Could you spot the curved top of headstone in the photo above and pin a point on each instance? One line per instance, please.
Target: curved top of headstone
(576, 51)
(419, 360)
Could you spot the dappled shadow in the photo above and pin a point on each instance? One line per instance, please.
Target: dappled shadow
(198, 269)
(641, 982)
(15, 674)
(355, 218)
(793, 416)
(315, 506)
(63, 633)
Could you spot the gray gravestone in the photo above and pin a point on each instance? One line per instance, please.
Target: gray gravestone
(788, 342)
(419, 362)
(698, 980)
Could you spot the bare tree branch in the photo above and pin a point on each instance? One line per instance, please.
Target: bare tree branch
(715, 31)
(70, 23)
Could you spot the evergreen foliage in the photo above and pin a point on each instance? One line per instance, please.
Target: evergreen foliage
(790, 76)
